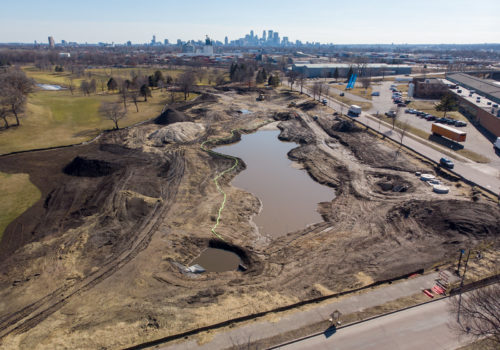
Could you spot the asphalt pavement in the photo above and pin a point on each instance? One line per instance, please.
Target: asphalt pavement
(426, 326)
(481, 174)
(317, 313)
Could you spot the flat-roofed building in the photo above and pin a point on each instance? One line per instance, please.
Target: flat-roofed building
(484, 87)
(318, 70)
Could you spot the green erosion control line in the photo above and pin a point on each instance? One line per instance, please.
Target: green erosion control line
(216, 178)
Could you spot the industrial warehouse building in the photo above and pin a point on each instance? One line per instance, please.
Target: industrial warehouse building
(318, 70)
(484, 87)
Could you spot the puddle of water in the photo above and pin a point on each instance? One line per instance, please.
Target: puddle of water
(50, 87)
(245, 111)
(288, 195)
(217, 260)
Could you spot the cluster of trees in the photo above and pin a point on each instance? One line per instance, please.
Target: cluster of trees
(261, 76)
(14, 89)
(319, 89)
(241, 72)
(274, 80)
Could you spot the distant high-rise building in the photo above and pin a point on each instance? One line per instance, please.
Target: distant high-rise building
(63, 42)
(276, 38)
(264, 35)
(270, 35)
(153, 41)
(226, 41)
(165, 42)
(52, 43)
(129, 43)
(251, 34)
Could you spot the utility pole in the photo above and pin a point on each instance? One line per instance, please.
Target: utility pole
(462, 251)
(461, 285)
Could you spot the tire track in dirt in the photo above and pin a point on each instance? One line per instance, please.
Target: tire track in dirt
(33, 314)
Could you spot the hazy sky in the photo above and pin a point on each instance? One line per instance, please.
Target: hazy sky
(338, 22)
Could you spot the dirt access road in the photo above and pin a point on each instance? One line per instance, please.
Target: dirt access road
(95, 263)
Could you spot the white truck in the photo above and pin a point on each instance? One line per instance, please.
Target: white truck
(354, 110)
(497, 144)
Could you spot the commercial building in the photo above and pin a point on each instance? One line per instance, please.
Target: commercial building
(485, 87)
(52, 43)
(429, 88)
(317, 70)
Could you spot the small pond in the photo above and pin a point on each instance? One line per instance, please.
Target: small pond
(289, 196)
(217, 260)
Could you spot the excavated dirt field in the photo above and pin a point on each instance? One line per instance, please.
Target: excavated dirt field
(95, 263)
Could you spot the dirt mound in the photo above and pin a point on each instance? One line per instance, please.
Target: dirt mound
(282, 116)
(206, 97)
(85, 167)
(346, 126)
(177, 133)
(306, 106)
(171, 116)
(449, 218)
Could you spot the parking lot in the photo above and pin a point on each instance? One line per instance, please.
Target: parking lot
(475, 142)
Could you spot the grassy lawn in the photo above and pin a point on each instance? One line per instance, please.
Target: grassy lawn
(364, 105)
(357, 90)
(18, 194)
(57, 118)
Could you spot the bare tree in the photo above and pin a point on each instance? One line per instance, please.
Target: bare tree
(135, 98)
(85, 87)
(4, 112)
(292, 76)
(302, 80)
(71, 85)
(186, 81)
(396, 115)
(365, 82)
(124, 93)
(113, 111)
(479, 314)
(14, 89)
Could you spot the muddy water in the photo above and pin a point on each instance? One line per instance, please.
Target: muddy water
(288, 195)
(217, 260)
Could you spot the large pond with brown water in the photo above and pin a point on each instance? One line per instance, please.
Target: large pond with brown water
(289, 196)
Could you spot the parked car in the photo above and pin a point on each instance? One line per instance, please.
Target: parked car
(401, 104)
(420, 113)
(447, 163)
(450, 121)
(441, 120)
(375, 93)
(459, 91)
(324, 101)
(430, 117)
(341, 94)
(460, 123)
(390, 114)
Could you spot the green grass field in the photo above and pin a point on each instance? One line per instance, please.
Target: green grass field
(57, 118)
(18, 194)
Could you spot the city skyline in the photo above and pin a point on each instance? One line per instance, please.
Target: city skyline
(359, 22)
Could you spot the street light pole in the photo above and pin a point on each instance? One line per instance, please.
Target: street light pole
(461, 285)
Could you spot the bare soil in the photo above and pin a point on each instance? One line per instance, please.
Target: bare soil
(95, 263)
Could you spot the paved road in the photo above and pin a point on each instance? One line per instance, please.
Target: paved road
(481, 174)
(422, 327)
(320, 313)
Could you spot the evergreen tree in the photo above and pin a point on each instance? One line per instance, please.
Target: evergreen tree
(336, 74)
(112, 84)
(447, 104)
(350, 73)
